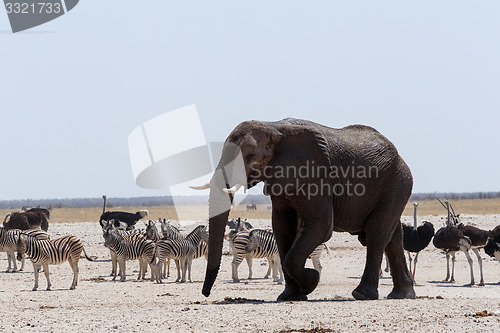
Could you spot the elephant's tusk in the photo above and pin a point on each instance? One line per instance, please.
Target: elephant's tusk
(233, 189)
(202, 187)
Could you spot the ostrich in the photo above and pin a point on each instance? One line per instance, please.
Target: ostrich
(492, 248)
(415, 239)
(129, 218)
(26, 220)
(451, 239)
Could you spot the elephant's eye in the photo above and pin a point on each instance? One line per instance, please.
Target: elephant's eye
(250, 156)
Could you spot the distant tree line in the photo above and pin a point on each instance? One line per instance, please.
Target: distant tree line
(196, 200)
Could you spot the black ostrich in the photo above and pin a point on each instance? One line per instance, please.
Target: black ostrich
(492, 247)
(452, 239)
(130, 219)
(415, 239)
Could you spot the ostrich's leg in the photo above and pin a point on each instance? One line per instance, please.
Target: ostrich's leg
(415, 266)
(480, 260)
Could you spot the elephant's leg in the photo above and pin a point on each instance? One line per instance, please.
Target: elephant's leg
(401, 278)
(284, 222)
(314, 226)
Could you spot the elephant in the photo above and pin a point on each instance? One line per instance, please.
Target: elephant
(320, 180)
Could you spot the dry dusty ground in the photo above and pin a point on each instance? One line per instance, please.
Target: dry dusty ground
(100, 305)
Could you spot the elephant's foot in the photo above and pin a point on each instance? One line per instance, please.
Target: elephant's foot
(291, 295)
(400, 294)
(310, 282)
(364, 292)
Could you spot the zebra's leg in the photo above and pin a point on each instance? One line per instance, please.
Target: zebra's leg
(235, 264)
(142, 269)
(74, 266)
(189, 263)
(480, 260)
(183, 263)
(46, 272)
(278, 264)
(10, 256)
(274, 261)
(36, 270)
(112, 254)
(121, 265)
(317, 264)
(249, 263)
(166, 269)
(152, 266)
(178, 266)
(159, 276)
(22, 264)
(269, 267)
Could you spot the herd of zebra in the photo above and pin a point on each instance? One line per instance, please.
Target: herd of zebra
(148, 245)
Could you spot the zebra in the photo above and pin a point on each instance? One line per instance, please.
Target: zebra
(171, 232)
(183, 250)
(130, 248)
(43, 253)
(238, 241)
(128, 234)
(261, 243)
(8, 243)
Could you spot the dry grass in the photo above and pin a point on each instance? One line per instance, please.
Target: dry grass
(200, 213)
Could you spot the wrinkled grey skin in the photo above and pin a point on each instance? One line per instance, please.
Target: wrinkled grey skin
(302, 222)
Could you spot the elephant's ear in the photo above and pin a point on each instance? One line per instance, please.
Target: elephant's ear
(306, 143)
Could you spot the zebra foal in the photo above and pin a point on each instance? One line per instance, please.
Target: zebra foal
(8, 243)
(130, 248)
(262, 244)
(171, 232)
(43, 253)
(128, 234)
(181, 250)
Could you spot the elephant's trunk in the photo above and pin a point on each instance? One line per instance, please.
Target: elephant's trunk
(219, 206)
(225, 176)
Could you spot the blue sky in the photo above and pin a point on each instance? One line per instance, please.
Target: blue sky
(426, 74)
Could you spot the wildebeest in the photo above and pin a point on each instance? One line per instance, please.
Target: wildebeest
(26, 220)
(45, 211)
(251, 208)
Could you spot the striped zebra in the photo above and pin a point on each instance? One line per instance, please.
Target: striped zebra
(136, 247)
(43, 253)
(171, 232)
(128, 234)
(8, 243)
(238, 241)
(262, 244)
(183, 250)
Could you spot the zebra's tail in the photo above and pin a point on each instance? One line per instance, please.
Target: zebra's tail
(327, 249)
(86, 256)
